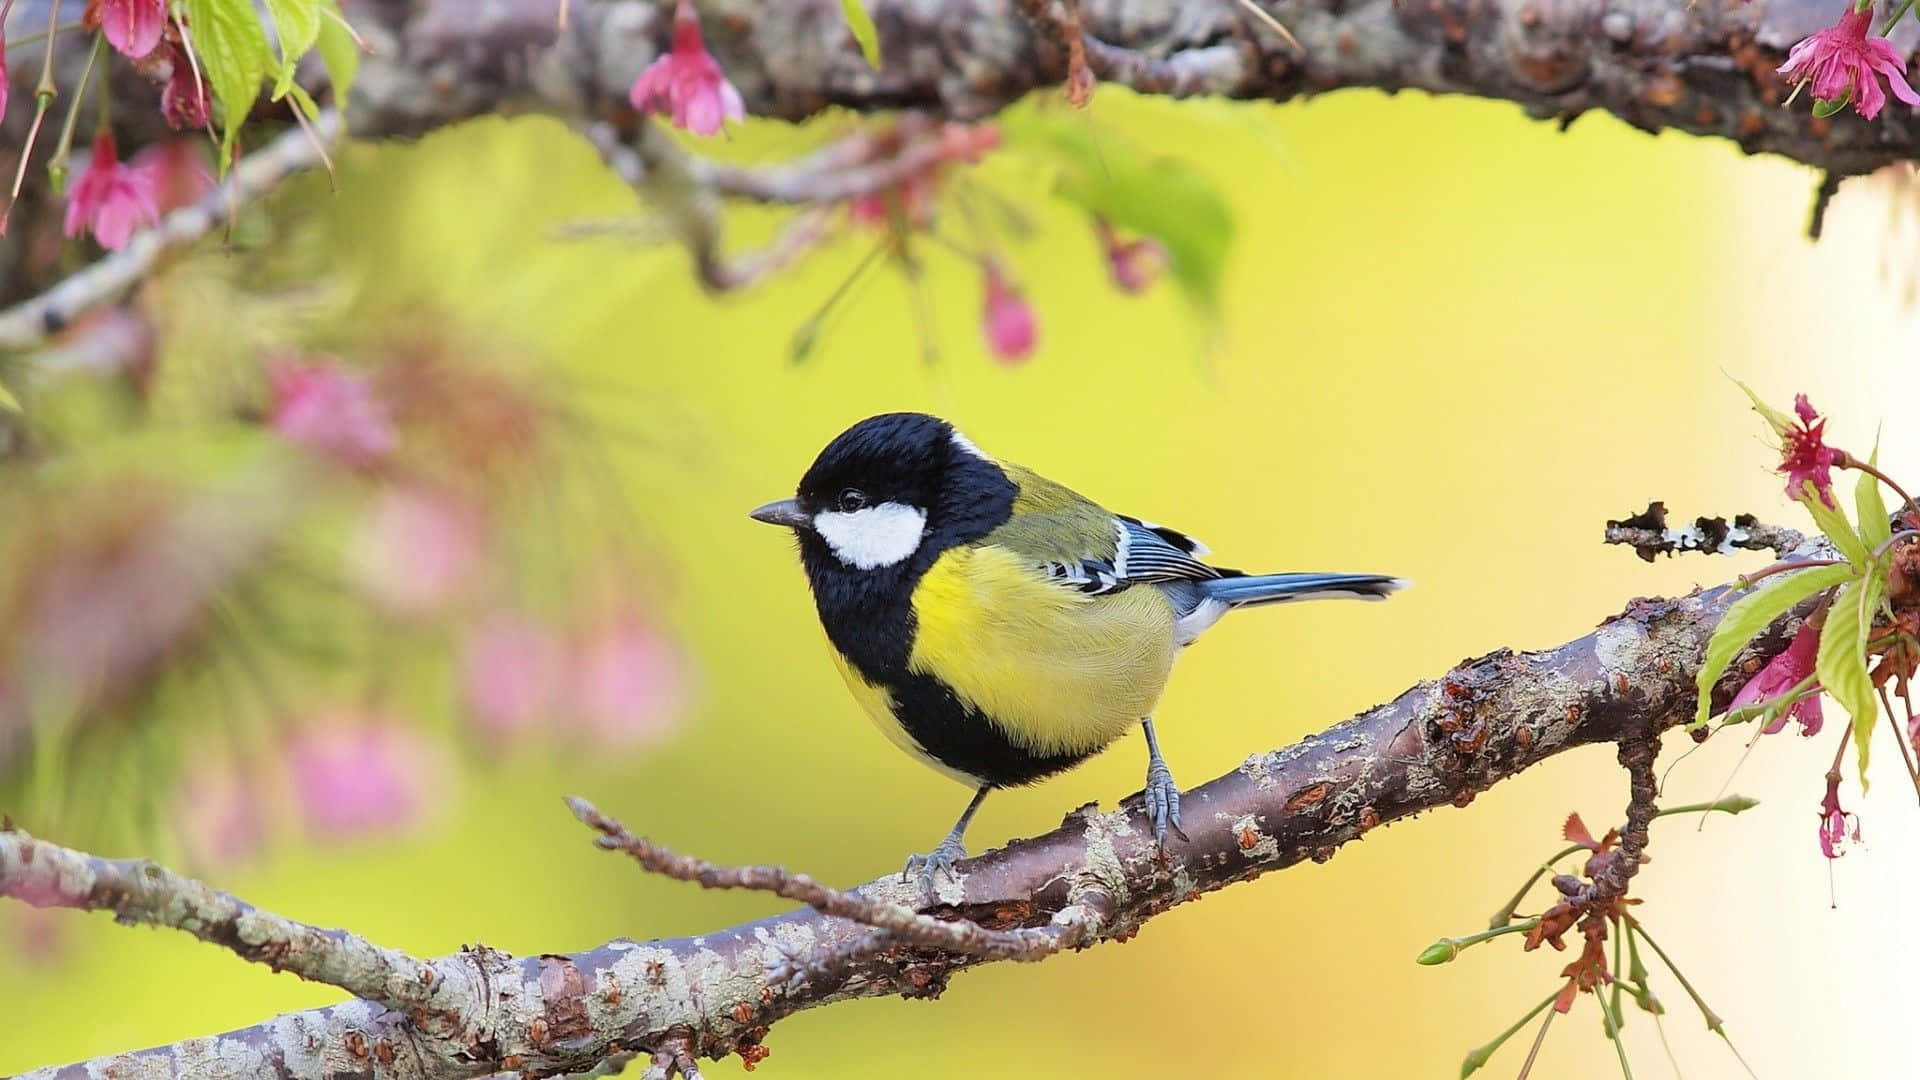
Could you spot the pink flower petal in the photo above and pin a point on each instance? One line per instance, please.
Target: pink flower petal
(628, 685)
(355, 774)
(133, 26)
(416, 549)
(512, 674)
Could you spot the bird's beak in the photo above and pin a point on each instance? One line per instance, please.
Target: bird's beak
(783, 512)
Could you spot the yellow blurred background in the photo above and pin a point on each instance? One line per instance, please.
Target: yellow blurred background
(1454, 342)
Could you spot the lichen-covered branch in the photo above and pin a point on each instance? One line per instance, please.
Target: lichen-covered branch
(1438, 744)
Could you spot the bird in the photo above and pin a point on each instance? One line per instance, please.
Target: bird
(997, 625)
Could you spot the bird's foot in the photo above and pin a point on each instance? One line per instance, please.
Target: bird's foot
(1162, 798)
(938, 861)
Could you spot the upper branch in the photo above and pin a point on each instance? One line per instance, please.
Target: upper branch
(1098, 877)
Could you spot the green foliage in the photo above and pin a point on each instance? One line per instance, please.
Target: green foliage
(232, 49)
(338, 50)
(1137, 189)
(1842, 662)
(230, 44)
(864, 32)
(1833, 522)
(1876, 528)
(297, 24)
(1753, 613)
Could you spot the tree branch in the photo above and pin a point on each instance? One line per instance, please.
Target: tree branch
(1706, 68)
(1099, 877)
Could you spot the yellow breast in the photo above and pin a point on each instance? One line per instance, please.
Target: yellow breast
(1058, 670)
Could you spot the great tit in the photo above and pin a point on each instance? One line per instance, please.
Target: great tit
(996, 625)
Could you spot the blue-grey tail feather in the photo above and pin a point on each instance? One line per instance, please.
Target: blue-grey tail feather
(1277, 588)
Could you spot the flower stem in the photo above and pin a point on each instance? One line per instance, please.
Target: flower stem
(1539, 1040)
(1746, 580)
(1446, 949)
(1899, 737)
(1479, 1056)
(1893, 20)
(1906, 501)
(1730, 804)
(64, 145)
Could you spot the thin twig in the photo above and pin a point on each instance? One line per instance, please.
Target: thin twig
(908, 926)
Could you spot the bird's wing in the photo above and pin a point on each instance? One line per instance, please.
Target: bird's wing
(1081, 545)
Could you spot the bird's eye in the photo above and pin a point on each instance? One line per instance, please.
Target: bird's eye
(851, 499)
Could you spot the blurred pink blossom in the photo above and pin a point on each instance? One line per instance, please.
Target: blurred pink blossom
(628, 684)
(133, 26)
(110, 199)
(356, 773)
(177, 170)
(1006, 318)
(511, 672)
(331, 411)
(416, 548)
(38, 935)
(184, 101)
(688, 82)
(4, 86)
(1133, 264)
(221, 814)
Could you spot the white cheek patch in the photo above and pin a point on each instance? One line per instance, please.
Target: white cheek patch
(873, 536)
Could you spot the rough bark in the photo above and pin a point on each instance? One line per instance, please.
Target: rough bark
(1096, 878)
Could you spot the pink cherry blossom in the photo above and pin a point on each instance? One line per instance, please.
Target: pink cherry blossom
(1781, 675)
(1805, 456)
(133, 26)
(416, 548)
(110, 199)
(1006, 318)
(183, 100)
(688, 82)
(220, 813)
(512, 672)
(331, 411)
(357, 773)
(178, 170)
(628, 684)
(4, 86)
(914, 197)
(1837, 827)
(1843, 60)
(1134, 264)
(38, 935)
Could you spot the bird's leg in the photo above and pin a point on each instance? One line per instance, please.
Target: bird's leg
(948, 851)
(1162, 795)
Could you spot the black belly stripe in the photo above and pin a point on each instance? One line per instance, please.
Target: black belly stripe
(959, 737)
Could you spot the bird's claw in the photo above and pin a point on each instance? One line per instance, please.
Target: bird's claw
(1162, 798)
(939, 860)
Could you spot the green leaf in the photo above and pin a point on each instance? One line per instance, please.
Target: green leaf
(1842, 662)
(338, 51)
(1753, 613)
(297, 24)
(9, 403)
(864, 31)
(1875, 528)
(1152, 194)
(1834, 105)
(232, 48)
(1834, 523)
(1779, 421)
